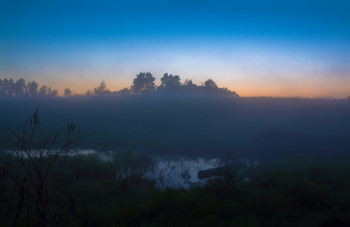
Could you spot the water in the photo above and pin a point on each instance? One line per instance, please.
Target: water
(180, 173)
(183, 173)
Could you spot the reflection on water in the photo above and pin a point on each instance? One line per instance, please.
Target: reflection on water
(183, 173)
(180, 173)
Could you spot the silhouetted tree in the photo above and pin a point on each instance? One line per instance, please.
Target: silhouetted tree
(20, 87)
(52, 92)
(102, 89)
(189, 83)
(210, 84)
(7, 88)
(144, 82)
(169, 81)
(2, 87)
(67, 92)
(32, 88)
(11, 88)
(43, 90)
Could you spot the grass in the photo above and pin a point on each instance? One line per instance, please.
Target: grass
(279, 194)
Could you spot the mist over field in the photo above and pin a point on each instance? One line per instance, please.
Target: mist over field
(196, 125)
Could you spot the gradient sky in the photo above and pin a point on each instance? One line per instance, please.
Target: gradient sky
(257, 48)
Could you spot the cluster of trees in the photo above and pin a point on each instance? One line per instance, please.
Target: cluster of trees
(19, 88)
(144, 83)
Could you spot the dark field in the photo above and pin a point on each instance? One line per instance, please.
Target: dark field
(283, 194)
(302, 147)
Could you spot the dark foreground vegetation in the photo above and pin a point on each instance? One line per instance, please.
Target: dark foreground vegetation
(279, 194)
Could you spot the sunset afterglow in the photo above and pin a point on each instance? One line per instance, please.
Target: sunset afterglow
(294, 48)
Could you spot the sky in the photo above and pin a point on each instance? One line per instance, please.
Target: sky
(256, 48)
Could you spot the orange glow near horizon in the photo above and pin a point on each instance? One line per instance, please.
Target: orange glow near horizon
(244, 89)
(249, 68)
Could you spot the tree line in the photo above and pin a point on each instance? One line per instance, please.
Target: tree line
(20, 88)
(144, 83)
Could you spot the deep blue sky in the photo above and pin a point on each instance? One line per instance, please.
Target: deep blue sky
(278, 48)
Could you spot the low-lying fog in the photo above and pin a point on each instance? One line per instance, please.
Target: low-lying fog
(210, 127)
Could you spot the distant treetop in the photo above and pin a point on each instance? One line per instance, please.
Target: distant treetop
(169, 81)
(143, 83)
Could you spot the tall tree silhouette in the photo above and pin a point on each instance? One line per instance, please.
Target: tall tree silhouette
(43, 90)
(7, 87)
(170, 81)
(144, 82)
(32, 88)
(20, 87)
